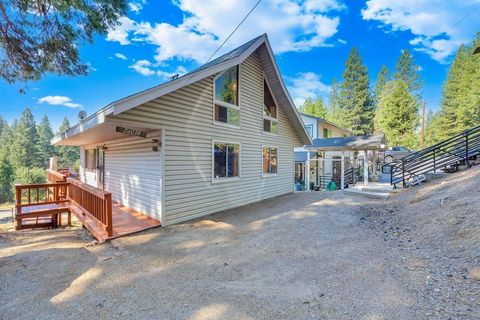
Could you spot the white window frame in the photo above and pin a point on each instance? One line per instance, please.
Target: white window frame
(310, 126)
(226, 179)
(265, 117)
(95, 159)
(267, 174)
(225, 104)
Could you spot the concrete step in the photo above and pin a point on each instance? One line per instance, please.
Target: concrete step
(383, 188)
(374, 195)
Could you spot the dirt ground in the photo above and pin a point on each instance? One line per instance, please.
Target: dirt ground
(321, 255)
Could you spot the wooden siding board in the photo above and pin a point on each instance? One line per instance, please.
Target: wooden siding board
(187, 116)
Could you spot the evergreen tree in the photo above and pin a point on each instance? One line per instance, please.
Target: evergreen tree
(356, 110)
(24, 143)
(432, 128)
(407, 71)
(67, 155)
(398, 115)
(45, 148)
(6, 179)
(314, 108)
(382, 78)
(334, 104)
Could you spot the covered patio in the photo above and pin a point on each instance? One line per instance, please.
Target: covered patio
(339, 159)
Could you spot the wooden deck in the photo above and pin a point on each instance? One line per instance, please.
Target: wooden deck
(125, 221)
(42, 206)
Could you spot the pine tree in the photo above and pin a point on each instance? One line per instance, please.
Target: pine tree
(6, 179)
(45, 148)
(67, 155)
(407, 71)
(399, 117)
(382, 78)
(334, 102)
(24, 152)
(314, 108)
(356, 109)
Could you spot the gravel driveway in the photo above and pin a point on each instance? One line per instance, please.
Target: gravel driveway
(299, 256)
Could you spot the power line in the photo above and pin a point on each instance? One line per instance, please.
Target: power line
(231, 34)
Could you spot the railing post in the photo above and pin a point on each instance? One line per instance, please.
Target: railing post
(108, 213)
(403, 173)
(434, 162)
(466, 150)
(391, 174)
(18, 202)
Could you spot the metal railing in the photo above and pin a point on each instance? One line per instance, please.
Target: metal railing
(457, 150)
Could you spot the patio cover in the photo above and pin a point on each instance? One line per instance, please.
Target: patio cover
(365, 142)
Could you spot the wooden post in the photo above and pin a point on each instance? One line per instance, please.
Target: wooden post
(307, 175)
(365, 167)
(108, 213)
(342, 173)
(422, 128)
(18, 202)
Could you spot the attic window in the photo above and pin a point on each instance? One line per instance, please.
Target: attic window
(226, 103)
(270, 112)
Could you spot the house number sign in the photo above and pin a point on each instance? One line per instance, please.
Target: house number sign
(131, 132)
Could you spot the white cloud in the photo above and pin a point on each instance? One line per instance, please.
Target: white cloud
(120, 56)
(306, 85)
(291, 26)
(147, 68)
(439, 27)
(143, 67)
(120, 33)
(59, 101)
(342, 41)
(136, 6)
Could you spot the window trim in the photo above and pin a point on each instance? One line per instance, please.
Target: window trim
(226, 104)
(226, 179)
(267, 174)
(264, 116)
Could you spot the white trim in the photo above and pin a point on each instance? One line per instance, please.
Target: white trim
(268, 174)
(277, 111)
(162, 159)
(226, 179)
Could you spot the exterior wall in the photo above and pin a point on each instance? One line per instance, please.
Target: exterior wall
(336, 132)
(86, 175)
(186, 115)
(312, 122)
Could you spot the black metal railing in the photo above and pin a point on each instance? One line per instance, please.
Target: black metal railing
(455, 151)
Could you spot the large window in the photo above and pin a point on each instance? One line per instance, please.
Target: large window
(226, 97)
(270, 160)
(270, 114)
(226, 160)
(91, 159)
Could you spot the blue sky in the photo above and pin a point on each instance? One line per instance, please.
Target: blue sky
(311, 39)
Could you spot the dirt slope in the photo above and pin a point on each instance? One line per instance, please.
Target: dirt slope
(434, 232)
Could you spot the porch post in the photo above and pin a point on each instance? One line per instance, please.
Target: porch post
(342, 176)
(307, 174)
(365, 168)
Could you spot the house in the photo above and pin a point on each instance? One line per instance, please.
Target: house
(322, 169)
(216, 138)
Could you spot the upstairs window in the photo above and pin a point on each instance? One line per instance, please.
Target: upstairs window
(270, 112)
(309, 128)
(226, 160)
(270, 160)
(226, 97)
(327, 133)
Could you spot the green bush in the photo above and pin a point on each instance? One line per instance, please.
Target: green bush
(28, 176)
(6, 180)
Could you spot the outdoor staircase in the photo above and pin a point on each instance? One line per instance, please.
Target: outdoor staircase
(459, 151)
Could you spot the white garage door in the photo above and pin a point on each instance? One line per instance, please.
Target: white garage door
(133, 174)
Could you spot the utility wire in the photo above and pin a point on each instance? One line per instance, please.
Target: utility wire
(231, 34)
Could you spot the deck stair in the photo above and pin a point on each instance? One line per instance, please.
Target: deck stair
(458, 152)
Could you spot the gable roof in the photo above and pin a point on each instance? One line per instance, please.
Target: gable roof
(327, 122)
(260, 45)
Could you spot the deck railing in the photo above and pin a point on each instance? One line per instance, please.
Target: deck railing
(92, 201)
(55, 176)
(40, 194)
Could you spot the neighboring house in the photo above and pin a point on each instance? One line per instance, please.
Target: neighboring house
(216, 138)
(321, 171)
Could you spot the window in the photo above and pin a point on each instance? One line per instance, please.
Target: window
(226, 160)
(327, 133)
(309, 128)
(91, 159)
(226, 97)
(270, 160)
(270, 116)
